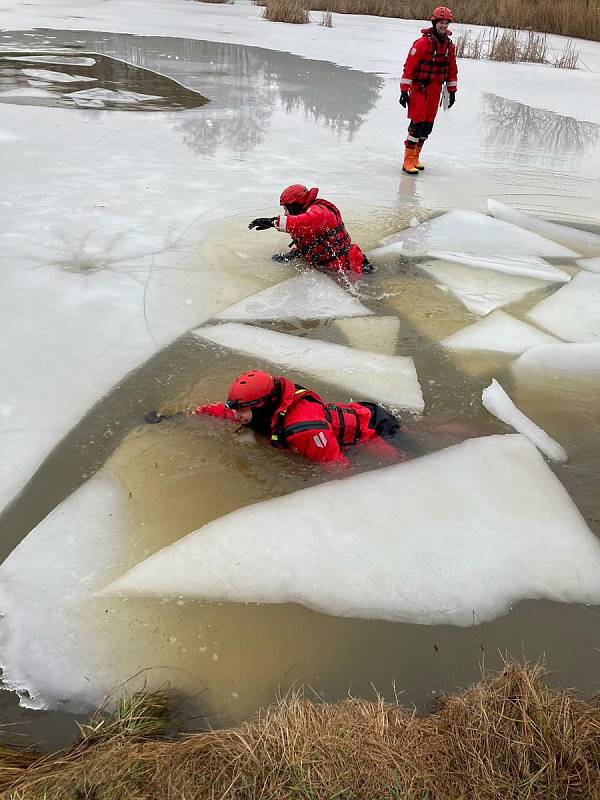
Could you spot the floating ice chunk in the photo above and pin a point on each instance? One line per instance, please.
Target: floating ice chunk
(532, 266)
(108, 95)
(58, 77)
(310, 295)
(572, 313)
(480, 290)
(590, 264)
(75, 61)
(498, 403)
(25, 91)
(566, 359)
(391, 380)
(500, 333)
(479, 526)
(482, 240)
(375, 334)
(571, 237)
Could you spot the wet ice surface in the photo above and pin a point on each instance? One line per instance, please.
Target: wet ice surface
(121, 231)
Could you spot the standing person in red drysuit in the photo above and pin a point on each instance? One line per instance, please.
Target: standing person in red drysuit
(430, 63)
(318, 233)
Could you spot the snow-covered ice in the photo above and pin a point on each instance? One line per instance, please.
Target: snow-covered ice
(390, 380)
(377, 334)
(565, 234)
(590, 264)
(479, 240)
(500, 333)
(310, 295)
(497, 402)
(52, 76)
(480, 290)
(67, 60)
(556, 359)
(573, 312)
(479, 526)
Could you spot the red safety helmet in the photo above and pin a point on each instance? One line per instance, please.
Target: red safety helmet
(441, 12)
(250, 389)
(298, 194)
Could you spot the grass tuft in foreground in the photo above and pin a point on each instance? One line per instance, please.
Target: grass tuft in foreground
(510, 737)
(294, 11)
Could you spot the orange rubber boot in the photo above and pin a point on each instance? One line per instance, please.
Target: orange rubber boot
(418, 164)
(410, 159)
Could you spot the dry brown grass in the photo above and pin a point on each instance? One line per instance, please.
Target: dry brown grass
(510, 737)
(294, 11)
(580, 18)
(514, 46)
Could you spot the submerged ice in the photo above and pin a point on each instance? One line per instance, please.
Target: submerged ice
(454, 547)
(498, 332)
(573, 312)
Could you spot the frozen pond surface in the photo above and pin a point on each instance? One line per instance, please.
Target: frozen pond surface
(122, 231)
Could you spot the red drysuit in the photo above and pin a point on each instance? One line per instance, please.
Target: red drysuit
(320, 237)
(307, 425)
(429, 64)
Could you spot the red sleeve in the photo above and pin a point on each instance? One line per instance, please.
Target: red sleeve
(452, 82)
(219, 410)
(413, 59)
(301, 226)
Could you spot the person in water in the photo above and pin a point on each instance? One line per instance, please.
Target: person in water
(318, 233)
(430, 63)
(297, 419)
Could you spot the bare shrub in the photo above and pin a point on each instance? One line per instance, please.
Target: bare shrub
(470, 46)
(294, 11)
(509, 737)
(327, 19)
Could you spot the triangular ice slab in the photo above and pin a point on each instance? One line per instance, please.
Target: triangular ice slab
(480, 290)
(500, 333)
(558, 359)
(391, 380)
(482, 241)
(498, 403)
(310, 295)
(573, 312)
(482, 525)
(571, 237)
(375, 334)
(589, 264)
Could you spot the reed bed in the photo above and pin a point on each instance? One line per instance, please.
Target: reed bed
(509, 737)
(577, 18)
(294, 11)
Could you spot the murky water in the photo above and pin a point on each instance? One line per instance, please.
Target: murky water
(229, 659)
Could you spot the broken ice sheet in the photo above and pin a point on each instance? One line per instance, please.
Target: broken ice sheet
(573, 312)
(498, 403)
(462, 551)
(564, 234)
(58, 77)
(310, 295)
(498, 332)
(479, 240)
(558, 359)
(375, 334)
(590, 264)
(480, 290)
(390, 380)
(75, 61)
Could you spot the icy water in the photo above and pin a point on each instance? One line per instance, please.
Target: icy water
(229, 659)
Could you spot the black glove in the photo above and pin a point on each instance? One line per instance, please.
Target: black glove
(403, 99)
(262, 223)
(451, 99)
(285, 258)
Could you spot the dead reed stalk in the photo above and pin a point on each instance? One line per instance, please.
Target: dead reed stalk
(509, 737)
(294, 11)
(327, 19)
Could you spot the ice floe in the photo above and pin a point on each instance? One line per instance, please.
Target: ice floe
(478, 527)
(310, 295)
(563, 358)
(391, 380)
(375, 334)
(110, 96)
(480, 290)
(498, 332)
(58, 77)
(590, 264)
(566, 235)
(74, 61)
(498, 403)
(573, 312)
(479, 240)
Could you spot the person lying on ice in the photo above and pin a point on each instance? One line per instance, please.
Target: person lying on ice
(298, 419)
(318, 233)
(430, 63)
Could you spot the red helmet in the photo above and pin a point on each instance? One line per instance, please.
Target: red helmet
(250, 389)
(298, 194)
(441, 12)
